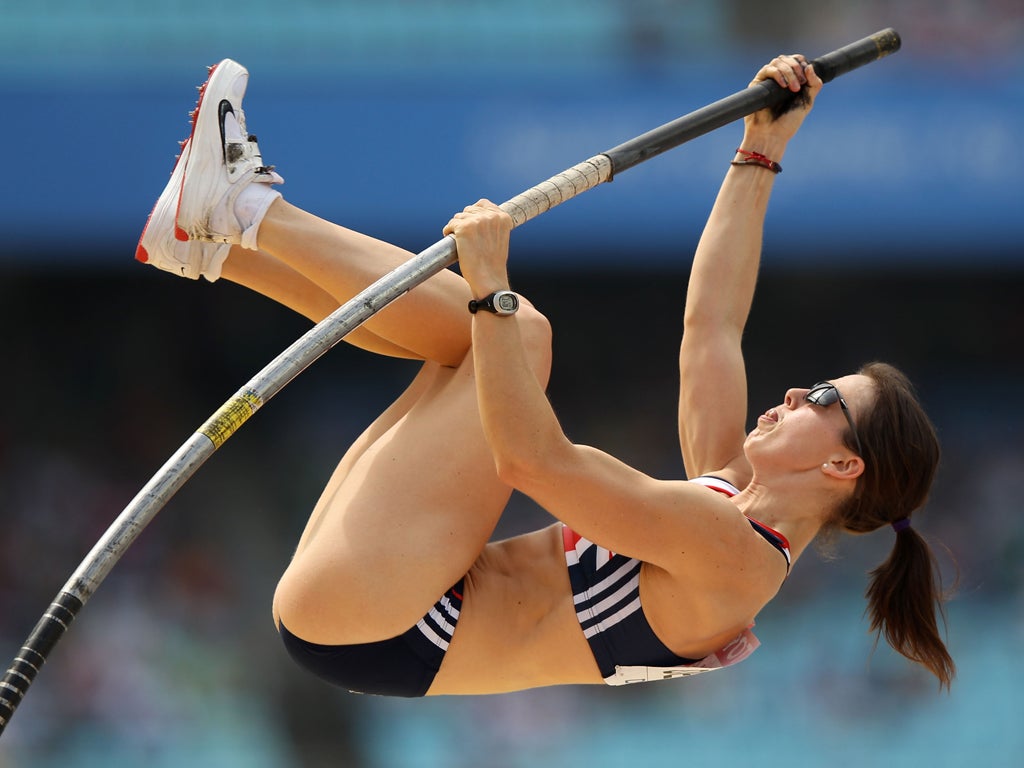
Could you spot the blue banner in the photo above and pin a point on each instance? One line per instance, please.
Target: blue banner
(907, 168)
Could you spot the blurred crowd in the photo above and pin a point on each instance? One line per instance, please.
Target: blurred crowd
(175, 657)
(399, 37)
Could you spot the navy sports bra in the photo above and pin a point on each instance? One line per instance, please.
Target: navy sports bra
(606, 594)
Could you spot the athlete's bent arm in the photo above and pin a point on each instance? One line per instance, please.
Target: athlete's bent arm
(597, 495)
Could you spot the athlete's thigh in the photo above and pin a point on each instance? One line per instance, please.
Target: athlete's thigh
(410, 515)
(379, 427)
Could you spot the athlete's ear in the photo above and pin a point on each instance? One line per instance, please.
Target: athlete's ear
(844, 467)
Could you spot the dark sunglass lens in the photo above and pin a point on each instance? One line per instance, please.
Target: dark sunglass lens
(822, 394)
(825, 394)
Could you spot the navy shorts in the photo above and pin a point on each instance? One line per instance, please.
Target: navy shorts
(400, 666)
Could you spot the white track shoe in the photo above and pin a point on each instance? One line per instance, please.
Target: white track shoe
(159, 246)
(225, 188)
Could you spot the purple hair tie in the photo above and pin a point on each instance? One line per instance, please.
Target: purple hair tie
(902, 524)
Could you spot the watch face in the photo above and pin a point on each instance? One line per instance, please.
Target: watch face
(507, 302)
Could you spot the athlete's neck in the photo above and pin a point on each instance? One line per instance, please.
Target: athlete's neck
(797, 516)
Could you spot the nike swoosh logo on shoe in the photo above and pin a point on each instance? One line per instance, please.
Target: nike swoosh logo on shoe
(233, 150)
(223, 110)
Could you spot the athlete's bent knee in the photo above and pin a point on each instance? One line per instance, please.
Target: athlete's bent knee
(299, 602)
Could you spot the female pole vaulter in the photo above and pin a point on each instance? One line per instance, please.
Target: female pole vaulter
(395, 587)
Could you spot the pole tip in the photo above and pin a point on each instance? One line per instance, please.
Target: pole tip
(888, 41)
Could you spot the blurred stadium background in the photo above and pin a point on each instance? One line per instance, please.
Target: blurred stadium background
(894, 234)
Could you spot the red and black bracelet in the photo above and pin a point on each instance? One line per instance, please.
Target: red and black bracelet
(756, 158)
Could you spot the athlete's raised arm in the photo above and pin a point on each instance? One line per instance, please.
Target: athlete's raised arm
(713, 384)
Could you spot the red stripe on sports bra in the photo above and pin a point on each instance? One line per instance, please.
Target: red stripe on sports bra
(569, 538)
(723, 487)
(783, 539)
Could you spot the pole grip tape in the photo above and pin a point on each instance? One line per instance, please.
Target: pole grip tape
(559, 188)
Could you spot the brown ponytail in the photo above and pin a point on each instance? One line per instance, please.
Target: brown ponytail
(903, 599)
(901, 455)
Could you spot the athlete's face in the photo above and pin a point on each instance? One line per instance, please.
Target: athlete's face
(807, 429)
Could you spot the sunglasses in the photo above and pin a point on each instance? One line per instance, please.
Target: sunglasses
(824, 394)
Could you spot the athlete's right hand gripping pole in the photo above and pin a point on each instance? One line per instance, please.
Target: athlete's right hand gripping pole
(330, 331)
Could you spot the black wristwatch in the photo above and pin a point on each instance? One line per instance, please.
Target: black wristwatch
(499, 302)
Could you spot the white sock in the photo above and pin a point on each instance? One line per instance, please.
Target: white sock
(250, 207)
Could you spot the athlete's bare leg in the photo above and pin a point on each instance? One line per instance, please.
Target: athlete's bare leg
(317, 266)
(416, 498)
(273, 278)
(409, 510)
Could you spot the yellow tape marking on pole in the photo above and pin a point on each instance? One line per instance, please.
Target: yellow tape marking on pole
(230, 416)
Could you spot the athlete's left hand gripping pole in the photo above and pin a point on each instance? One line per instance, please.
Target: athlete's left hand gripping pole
(330, 331)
